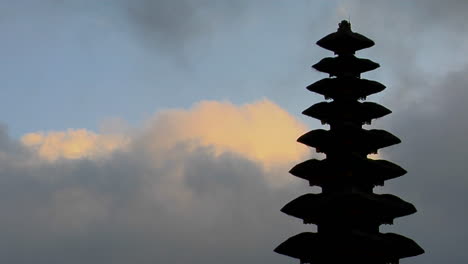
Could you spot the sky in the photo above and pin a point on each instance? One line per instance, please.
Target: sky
(162, 131)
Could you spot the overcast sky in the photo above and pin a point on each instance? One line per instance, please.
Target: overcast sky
(161, 131)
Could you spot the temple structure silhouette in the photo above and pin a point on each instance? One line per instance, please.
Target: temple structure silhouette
(347, 212)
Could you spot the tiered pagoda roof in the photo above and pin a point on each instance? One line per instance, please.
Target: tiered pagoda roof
(347, 212)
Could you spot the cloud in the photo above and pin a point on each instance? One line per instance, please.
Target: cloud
(417, 44)
(196, 197)
(176, 25)
(73, 144)
(262, 132)
(434, 152)
(171, 192)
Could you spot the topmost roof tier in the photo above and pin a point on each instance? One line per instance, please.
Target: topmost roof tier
(344, 41)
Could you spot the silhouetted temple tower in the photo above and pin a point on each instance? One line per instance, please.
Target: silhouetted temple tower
(347, 212)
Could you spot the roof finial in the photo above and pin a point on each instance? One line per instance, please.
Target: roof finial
(344, 26)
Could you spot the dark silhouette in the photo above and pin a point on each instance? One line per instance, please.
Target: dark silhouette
(347, 212)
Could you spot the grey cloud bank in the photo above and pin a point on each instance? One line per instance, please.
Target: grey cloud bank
(170, 194)
(190, 207)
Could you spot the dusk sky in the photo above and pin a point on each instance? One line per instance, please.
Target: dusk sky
(162, 131)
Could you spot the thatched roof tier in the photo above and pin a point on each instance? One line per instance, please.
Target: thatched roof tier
(348, 140)
(344, 41)
(355, 112)
(350, 88)
(348, 208)
(349, 247)
(355, 170)
(345, 66)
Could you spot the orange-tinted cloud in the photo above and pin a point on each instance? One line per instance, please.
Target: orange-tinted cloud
(72, 144)
(261, 131)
